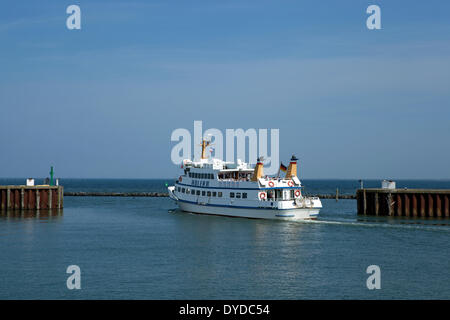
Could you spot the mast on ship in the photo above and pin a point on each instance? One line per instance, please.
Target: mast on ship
(205, 144)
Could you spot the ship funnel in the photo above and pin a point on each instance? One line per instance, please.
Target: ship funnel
(292, 169)
(259, 169)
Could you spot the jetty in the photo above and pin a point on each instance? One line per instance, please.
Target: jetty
(403, 202)
(43, 197)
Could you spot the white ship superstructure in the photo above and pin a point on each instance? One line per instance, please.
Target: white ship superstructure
(213, 186)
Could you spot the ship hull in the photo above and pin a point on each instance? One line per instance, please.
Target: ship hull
(255, 213)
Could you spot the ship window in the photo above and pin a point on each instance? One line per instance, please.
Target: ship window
(214, 193)
(238, 195)
(183, 190)
(198, 192)
(244, 195)
(203, 193)
(231, 194)
(220, 194)
(196, 176)
(188, 191)
(209, 194)
(279, 194)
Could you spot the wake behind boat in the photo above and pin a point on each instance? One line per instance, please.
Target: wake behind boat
(213, 186)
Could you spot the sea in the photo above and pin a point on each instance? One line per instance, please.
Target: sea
(144, 248)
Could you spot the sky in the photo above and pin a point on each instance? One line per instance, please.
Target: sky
(102, 102)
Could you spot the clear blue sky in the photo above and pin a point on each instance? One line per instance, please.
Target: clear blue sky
(102, 101)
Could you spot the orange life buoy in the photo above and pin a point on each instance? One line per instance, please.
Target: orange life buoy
(297, 193)
(290, 183)
(262, 195)
(271, 184)
(180, 179)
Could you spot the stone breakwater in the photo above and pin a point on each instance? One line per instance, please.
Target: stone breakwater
(164, 194)
(333, 196)
(116, 194)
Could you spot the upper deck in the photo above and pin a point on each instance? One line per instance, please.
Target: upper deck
(215, 173)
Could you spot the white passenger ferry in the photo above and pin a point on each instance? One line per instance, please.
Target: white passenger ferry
(213, 186)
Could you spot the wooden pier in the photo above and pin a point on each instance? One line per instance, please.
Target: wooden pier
(31, 197)
(404, 202)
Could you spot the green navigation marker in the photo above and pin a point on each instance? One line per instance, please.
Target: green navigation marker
(51, 176)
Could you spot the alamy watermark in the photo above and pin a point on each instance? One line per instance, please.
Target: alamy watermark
(74, 280)
(374, 280)
(73, 22)
(255, 140)
(373, 22)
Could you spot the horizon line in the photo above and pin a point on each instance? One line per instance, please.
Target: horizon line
(122, 178)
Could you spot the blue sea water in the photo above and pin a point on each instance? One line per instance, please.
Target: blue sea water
(143, 248)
